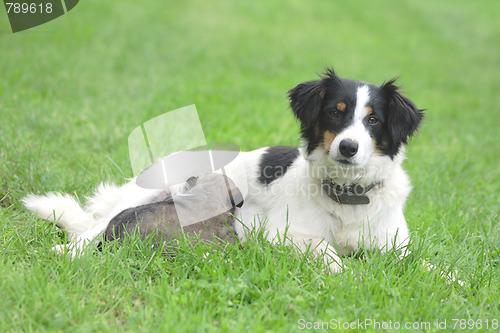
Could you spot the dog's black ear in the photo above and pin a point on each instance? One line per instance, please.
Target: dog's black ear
(403, 117)
(306, 100)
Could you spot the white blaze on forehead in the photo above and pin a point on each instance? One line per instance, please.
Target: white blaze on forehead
(356, 131)
(362, 98)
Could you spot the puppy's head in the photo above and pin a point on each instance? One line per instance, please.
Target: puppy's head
(351, 121)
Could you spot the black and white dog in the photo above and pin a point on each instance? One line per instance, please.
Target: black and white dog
(342, 191)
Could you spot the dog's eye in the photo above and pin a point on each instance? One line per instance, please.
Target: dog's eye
(372, 120)
(335, 114)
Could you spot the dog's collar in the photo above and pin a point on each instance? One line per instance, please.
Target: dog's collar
(349, 194)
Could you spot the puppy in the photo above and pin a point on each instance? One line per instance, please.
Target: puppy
(201, 198)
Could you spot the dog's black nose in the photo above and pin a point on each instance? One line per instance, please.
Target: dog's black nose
(348, 147)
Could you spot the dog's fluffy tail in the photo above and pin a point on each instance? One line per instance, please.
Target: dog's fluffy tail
(63, 210)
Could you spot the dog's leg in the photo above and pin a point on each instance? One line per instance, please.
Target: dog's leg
(400, 240)
(77, 246)
(451, 276)
(319, 248)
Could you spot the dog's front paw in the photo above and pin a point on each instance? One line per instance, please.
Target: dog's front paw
(67, 249)
(60, 249)
(334, 267)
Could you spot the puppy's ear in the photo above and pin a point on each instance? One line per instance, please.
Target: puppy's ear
(190, 183)
(235, 195)
(306, 100)
(237, 198)
(403, 117)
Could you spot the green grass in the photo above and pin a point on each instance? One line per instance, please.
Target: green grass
(73, 89)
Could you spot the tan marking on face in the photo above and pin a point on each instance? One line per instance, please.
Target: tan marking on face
(328, 138)
(322, 94)
(341, 107)
(369, 110)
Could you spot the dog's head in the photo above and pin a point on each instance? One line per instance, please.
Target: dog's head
(351, 121)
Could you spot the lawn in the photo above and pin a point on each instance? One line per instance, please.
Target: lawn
(72, 90)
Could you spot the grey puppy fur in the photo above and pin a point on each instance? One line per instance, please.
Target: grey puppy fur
(199, 197)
